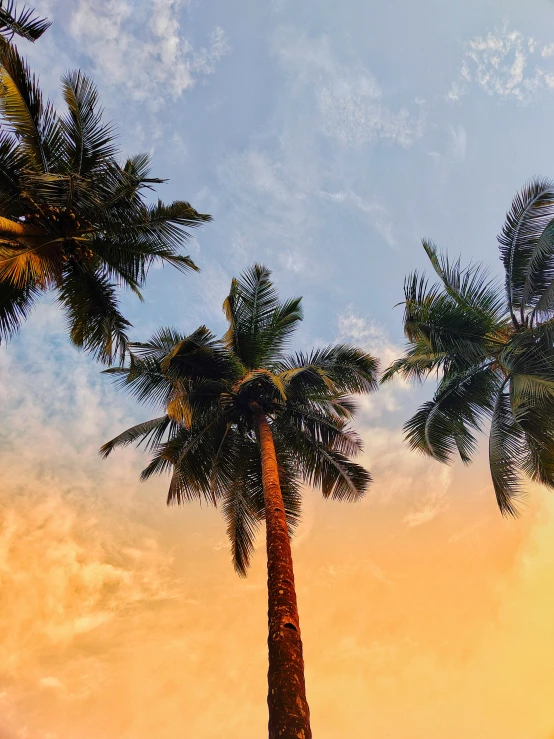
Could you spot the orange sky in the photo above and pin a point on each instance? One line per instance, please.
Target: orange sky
(423, 613)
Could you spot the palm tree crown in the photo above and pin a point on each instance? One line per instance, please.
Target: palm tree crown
(209, 391)
(493, 351)
(23, 23)
(72, 219)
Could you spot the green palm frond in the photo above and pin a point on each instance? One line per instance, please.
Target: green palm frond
(12, 166)
(214, 397)
(340, 368)
(471, 287)
(506, 452)
(21, 105)
(89, 141)
(15, 306)
(94, 320)
(24, 23)
(531, 211)
(82, 219)
(418, 362)
(492, 350)
(443, 426)
(149, 433)
(433, 319)
(322, 465)
(259, 324)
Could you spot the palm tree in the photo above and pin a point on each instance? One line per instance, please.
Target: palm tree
(243, 425)
(72, 219)
(24, 24)
(493, 351)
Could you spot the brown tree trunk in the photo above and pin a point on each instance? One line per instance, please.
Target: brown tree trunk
(289, 715)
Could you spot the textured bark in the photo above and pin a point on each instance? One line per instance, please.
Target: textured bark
(289, 715)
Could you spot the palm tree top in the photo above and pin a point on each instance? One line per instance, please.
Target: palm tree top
(492, 350)
(73, 219)
(24, 23)
(209, 392)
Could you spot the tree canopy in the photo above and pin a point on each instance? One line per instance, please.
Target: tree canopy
(73, 219)
(492, 349)
(207, 389)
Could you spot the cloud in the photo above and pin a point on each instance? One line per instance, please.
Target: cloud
(431, 503)
(272, 199)
(351, 105)
(455, 148)
(373, 338)
(378, 215)
(502, 63)
(368, 334)
(139, 47)
(277, 189)
(139, 53)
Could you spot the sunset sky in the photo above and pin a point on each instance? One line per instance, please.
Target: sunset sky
(326, 139)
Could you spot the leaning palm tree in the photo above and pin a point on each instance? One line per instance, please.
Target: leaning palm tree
(242, 425)
(23, 23)
(493, 351)
(72, 219)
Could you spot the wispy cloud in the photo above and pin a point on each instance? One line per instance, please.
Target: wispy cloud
(378, 215)
(504, 63)
(352, 107)
(430, 503)
(141, 48)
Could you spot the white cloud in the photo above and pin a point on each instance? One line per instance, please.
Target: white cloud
(455, 149)
(431, 502)
(271, 197)
(502, 63)
(378, 215)
(139, 47)
(350, 103)
(368, 334)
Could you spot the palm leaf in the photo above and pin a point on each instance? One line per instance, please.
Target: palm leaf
(506, 452)
(15, 306)
(90, 142)
(22, 107)
(23, 23)
(93, 317)
(531, 211)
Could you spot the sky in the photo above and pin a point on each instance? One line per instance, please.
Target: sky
(326, 139)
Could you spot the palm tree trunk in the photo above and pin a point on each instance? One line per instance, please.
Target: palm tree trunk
(289, 715)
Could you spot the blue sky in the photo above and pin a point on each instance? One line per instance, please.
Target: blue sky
(325, 141)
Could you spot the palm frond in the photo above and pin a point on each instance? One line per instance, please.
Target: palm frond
(90, 142)
(259, 324)
(340, 368)
(471, 287)
(506, 453)
(93, 317)
(531, 211)
(24, 112)
(24, 23)
(149, 432)
(442, 427)
(322, 465)
(15, 306)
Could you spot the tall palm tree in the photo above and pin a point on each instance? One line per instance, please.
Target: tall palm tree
(23, 23)
(493, 351)
(243, 425)
(72, 219)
